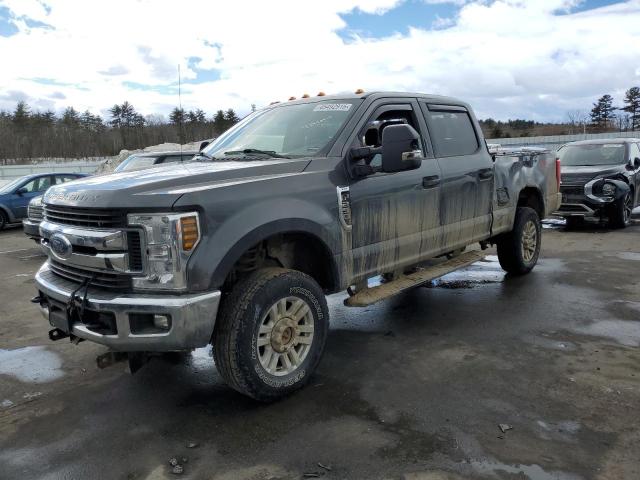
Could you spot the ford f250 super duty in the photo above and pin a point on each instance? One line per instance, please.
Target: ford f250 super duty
(239, 247)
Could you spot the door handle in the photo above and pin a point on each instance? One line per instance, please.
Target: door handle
(485, 174)
(430, 182)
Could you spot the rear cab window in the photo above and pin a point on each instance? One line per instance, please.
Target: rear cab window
(451, 130)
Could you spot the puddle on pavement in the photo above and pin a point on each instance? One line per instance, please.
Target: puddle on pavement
(482, 272)
(632, 256)
(551, 344)
(625, 332)
(31, 364)
(553, 223)
(532, 472)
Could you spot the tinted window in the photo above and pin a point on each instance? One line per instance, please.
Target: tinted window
(595, 154)
(452, 133)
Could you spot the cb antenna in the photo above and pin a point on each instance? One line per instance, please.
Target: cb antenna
(181, 129)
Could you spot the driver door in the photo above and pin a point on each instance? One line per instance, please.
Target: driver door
(395, 216)
(20, 202)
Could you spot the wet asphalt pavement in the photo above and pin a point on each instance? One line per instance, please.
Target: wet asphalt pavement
(412, 388)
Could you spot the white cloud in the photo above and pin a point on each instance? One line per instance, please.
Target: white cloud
(509, 58)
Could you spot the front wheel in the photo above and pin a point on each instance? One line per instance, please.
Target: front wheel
(270, 333)
(3, 220)
(519, 249)
(621, 216)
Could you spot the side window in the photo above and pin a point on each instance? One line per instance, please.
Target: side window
(452, 133)
(634, 151)
(37, 184)
(64, 179)
(372, 134)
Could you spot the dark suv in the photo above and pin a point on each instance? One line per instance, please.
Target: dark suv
(600, 180)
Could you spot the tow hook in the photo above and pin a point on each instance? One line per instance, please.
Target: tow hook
(57, 334)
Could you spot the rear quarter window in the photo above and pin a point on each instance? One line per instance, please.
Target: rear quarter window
(452, 133)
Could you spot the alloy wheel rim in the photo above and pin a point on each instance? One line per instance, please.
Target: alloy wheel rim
(529, 241)
(627, 208)
(285, 336)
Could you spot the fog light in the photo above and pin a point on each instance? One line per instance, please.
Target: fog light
(163, 322)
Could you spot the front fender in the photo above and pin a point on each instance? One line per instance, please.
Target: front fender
(221, 248)
(5, 208)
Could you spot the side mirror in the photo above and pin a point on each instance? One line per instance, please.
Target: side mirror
(21, 191)
(204, 144)
(400, 148)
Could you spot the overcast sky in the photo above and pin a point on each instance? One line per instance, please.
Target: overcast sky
(533, 59)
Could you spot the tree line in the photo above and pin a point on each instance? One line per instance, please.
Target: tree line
(604, 116)
(27, 134)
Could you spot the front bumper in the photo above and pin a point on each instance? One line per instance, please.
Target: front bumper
(31, 228)
(192, 316)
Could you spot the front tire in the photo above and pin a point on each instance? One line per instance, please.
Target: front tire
(3, 219)
(270, 333)
(621, 215)
(518, 250)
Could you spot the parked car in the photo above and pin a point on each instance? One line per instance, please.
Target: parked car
(296, 201)
(31, 224)
(16, 195)
(139, 161)
(600, 180)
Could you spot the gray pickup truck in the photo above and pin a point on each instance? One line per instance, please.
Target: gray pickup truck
(239, 247)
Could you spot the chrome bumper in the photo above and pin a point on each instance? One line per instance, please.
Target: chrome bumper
(31, 228)
(192, 316)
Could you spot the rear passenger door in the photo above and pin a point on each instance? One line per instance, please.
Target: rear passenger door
(467, 174)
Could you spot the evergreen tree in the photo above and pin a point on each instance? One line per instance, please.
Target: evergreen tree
(602, 112)
(21, 114)
(219, 122)
(632, 107)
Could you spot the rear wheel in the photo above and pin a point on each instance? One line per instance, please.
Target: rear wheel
(270, 333)
(621, 215)
(519, 249)
(3, 219)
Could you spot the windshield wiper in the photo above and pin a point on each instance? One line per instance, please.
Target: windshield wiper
(202, 154)
(269, 153)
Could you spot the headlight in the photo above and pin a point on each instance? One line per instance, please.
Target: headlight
(608, 189)
(170, 240)
(34, 209)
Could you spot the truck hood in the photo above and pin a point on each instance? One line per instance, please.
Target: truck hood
(160, 187)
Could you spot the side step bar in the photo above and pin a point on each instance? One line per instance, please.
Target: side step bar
(369, 296)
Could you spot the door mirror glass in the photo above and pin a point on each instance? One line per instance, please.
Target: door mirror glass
(400, 148)
(636, 162)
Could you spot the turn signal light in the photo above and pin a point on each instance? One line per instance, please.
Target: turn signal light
(190, 233)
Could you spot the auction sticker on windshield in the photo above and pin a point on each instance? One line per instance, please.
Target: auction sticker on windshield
(332, 107)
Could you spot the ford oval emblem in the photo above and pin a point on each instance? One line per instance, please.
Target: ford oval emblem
(60, 246)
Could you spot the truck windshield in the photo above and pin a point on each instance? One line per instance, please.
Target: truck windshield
(285, 131)
(590, 155)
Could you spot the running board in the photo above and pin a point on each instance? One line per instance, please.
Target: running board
(369, 296)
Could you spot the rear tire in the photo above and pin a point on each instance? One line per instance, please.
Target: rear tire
(519, 249)
(270, 333)
(621, 215)
(3, 219)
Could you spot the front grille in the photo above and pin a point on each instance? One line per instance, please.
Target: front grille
(576, 178)
(35, 212)
(572, 190)
(135, 250)
(83, 217)
(112, 281)
(573, 208)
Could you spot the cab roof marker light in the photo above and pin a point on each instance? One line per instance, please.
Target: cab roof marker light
(359, 91)
(321, 94)
(292, 98)
(306, 95)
